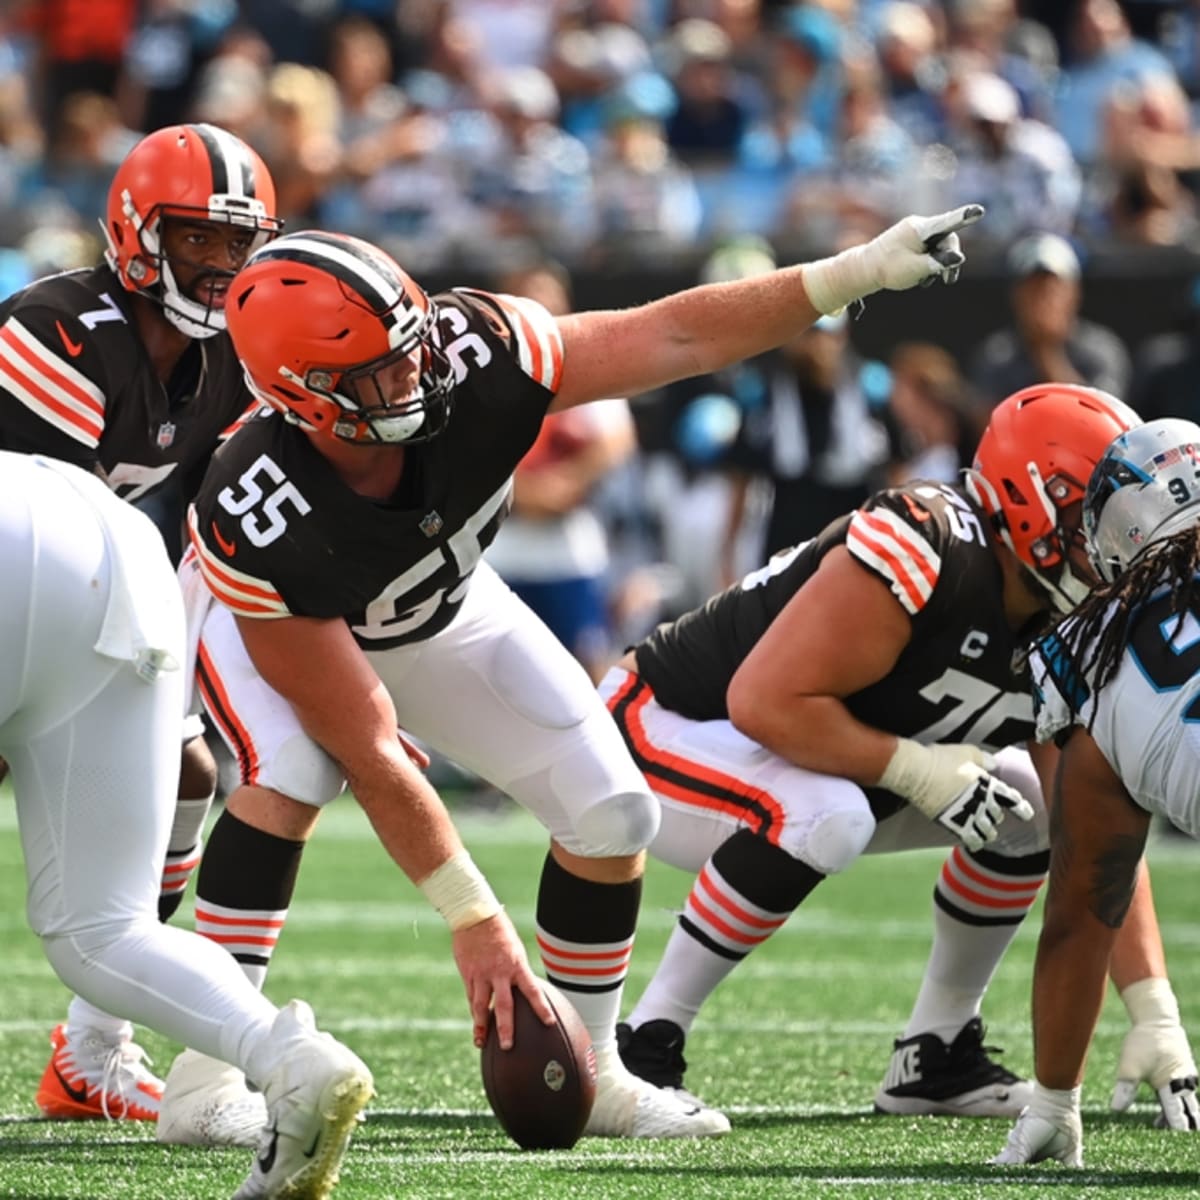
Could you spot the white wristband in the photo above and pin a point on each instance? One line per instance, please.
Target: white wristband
(832, 283)
(1151, 1000)
(459, 891)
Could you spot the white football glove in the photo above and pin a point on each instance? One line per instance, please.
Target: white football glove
(1048, 1127)
(1156, 1052)
(951, 785)
(916, 250)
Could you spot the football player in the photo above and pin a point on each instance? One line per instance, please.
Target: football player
(92, 644)
(867, 692)
(1116, 687)
(125, 370)
(342, 533)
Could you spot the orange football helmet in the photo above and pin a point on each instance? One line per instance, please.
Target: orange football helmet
(1031, 471)
(319, 318)
(197, 172)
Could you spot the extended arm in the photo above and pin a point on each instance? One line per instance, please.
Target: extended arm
(695, 332)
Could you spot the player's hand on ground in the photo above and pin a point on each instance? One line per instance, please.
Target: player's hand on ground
(952, 784)
(1049, 1128)
(1156, 1052)
(492, 961)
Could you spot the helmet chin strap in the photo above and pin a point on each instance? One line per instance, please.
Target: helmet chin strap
(198, 321)
(1066, 592)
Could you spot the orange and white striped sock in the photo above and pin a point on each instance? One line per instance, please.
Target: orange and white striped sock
(743, 894)
(980, 900)
(243, 891)
(183, 853)
(585, 935)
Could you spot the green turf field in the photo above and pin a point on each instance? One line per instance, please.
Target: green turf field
(792, 1048)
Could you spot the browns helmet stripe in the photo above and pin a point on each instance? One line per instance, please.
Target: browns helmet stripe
(232, 170)
(367, 275)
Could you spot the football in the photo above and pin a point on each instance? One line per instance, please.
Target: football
(542, 1089)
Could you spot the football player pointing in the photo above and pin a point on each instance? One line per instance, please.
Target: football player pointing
(866, 692)
(1116, 687)
(124, 370)
(342, 533)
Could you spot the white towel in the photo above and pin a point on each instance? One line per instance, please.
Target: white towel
(142, 624)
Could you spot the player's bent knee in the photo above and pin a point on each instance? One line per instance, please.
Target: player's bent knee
(72, 952)
(302, 771)
(833, 841)
(617, 826)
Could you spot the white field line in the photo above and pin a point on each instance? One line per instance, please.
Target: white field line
(396, 919)
(400, 1025)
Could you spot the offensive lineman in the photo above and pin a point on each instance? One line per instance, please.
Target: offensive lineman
(125, 370)
(846, 699)
(342, 536)
(1116, 687)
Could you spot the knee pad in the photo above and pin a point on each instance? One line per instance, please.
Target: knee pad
(301, 770)
(615, 827)
(832, 838)
(835, 839)
(1020, 838)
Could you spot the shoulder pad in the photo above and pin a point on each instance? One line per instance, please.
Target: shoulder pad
(533, 336)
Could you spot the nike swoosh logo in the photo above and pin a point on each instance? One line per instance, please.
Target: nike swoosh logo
(313, 1148)
(74, 349)
(228, 548)
(78, 1094)
(266, 1158)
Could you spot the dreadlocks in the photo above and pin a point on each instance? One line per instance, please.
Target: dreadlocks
(1105, 620)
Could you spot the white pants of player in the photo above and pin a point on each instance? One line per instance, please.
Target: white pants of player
(712, 781)
(94, 754)
(494, 692)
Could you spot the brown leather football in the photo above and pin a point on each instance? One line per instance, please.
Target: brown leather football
(542, 1089)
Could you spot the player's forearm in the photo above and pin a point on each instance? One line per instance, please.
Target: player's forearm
(714, 325)
(1069, 981)
(407, 815)
(818, 733)
(1137, 951)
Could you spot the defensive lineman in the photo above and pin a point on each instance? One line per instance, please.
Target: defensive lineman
(1117, 686)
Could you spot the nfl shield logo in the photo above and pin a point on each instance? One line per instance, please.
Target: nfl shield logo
(166, 435)
(431, 524)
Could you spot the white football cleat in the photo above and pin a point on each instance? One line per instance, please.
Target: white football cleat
(206, 1102)
(316, 1090)
(627, 1106)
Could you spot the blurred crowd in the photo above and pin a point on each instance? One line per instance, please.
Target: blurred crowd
(521, 141)
(452, 130)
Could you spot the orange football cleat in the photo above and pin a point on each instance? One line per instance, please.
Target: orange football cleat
(93, 1077)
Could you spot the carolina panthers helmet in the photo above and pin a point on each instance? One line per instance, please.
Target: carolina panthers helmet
(196, 172)
(1144, 489)
(1031, 469)
(317, 318)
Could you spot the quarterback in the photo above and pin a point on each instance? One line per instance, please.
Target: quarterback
(125, 370)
